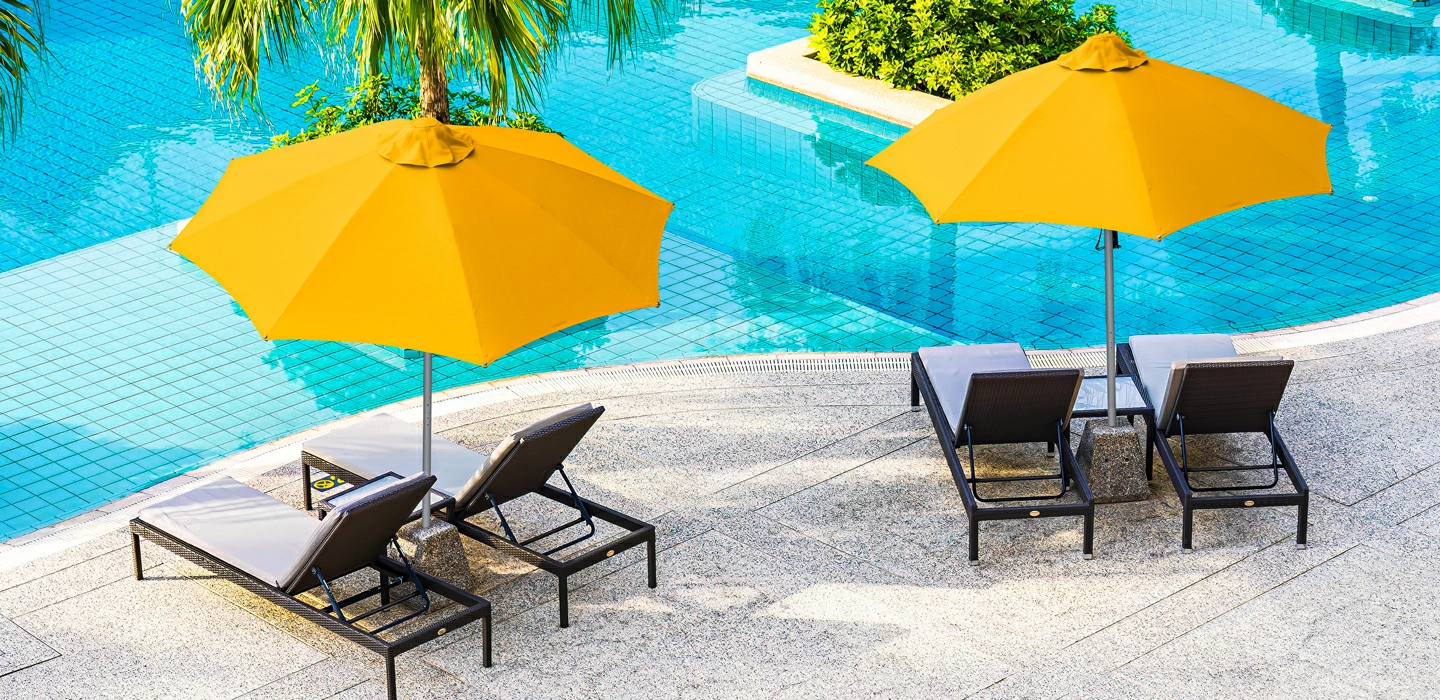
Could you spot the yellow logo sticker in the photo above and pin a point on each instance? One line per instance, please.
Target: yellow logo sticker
(327, 482)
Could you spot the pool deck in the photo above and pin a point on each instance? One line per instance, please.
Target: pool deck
(812, 543)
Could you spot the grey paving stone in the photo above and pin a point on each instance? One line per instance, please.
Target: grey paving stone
(1374, 606)
(21, 650)
(120, 640)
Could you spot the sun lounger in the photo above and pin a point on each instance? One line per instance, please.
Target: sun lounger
(277, 552)
(521, 464)
(1199, 386)
(990, 395)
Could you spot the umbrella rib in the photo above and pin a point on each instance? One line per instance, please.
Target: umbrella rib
(1139, 162)
(1244, 123)
(1003, 143)
(339, 230)
(454, 241)
(567, 229)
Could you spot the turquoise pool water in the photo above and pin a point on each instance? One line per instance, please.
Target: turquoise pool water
(122, 365)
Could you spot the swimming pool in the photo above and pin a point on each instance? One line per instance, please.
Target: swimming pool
(122, 365)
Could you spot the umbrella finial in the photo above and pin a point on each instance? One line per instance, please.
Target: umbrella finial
(1105, 52)
(424, 141)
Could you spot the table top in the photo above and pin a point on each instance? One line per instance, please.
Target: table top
(366, 488)
(1092, 395)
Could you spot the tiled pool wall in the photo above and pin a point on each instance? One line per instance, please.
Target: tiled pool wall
(121, 364)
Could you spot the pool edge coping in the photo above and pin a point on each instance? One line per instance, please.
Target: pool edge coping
(255, 461)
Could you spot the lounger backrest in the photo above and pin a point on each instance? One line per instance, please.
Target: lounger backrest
(1225, 396)
(536, 456)
(1018, 406)
(471, 490)
(354, 536)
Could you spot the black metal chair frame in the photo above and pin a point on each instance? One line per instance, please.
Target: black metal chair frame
(639, 533)
(1191, 498)
(921, 387)
(332, 617)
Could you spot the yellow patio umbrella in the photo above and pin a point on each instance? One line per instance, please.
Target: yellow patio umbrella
(1107, 137)
(463, 241)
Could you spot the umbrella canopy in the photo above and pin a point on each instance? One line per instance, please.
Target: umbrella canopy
(1109, 138)
(463, 241)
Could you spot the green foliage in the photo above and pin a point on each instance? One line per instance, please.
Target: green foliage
(22, 41)
(504, 46)
(378, 99)
(950, 47)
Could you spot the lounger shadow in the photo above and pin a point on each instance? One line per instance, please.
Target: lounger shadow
(277, 552)
(1199, 386)
(989, 395)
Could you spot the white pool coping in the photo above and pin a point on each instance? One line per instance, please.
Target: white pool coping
(792, 66)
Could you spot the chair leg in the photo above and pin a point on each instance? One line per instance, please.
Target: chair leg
(1150, 453)
(1187, 525)
(650, 559)
(390, 677)
(140, 569)
(564, 602)
(914, 394)
(1089, 548)
(485, 640)
(974, 542)
(1302, 523)
(305, 483)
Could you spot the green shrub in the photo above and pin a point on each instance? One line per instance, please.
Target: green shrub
(950, 47)
(378, 99)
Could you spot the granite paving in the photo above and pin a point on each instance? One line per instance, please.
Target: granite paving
(812, 544)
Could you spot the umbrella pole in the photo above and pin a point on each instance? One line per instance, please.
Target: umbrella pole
(425, 444)
(1110, 325)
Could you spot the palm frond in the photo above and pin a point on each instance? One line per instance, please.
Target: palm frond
(377, 41)
(22, 46)
(232, 37)
(623, 23)
(507, 46)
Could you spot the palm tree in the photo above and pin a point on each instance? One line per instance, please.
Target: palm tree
(503, 45)
(22, 43)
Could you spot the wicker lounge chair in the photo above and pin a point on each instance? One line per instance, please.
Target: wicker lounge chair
(990, 395)
(521, 464)
(277, 552)
(1199, 386)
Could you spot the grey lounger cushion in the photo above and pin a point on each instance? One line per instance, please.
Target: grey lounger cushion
(249, 530)
(1161, 361)
(239, 525)
(950, 367)
(383, 443)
